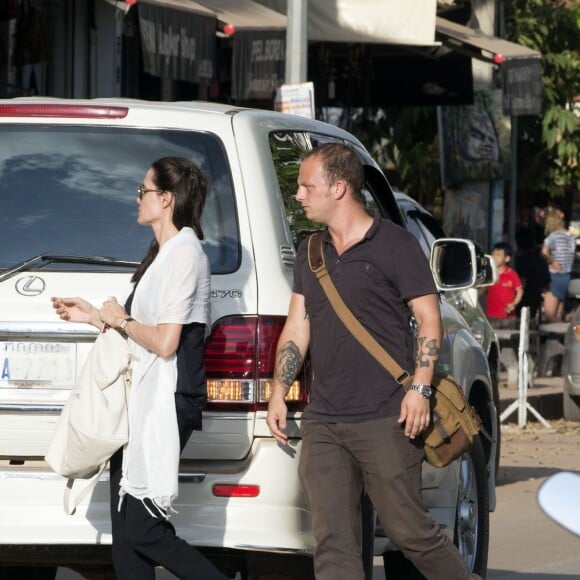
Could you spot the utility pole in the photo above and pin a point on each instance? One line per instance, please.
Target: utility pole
(297, 42)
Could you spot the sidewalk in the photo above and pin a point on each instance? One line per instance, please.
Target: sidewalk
(545, 396)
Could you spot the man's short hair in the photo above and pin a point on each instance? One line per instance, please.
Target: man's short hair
(339, 161)
(507, 249)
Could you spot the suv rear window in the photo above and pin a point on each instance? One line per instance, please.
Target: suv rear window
(72, 190)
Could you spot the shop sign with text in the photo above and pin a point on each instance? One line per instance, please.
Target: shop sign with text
(179, 45)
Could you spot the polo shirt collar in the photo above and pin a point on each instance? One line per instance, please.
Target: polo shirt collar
(368, 235)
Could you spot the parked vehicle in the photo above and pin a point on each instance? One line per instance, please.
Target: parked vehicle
(69, 173)
(426, 229)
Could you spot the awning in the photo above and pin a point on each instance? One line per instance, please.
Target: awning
(520, 66)
(178, 39)
(246, 15)
(481, 46)
(409, 22)
(259, 52)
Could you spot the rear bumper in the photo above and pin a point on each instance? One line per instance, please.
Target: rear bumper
(31, 506)
(276, 521)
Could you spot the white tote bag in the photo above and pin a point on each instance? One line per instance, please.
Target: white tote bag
(93, 423)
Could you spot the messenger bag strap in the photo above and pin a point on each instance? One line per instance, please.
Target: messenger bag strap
(318, 266)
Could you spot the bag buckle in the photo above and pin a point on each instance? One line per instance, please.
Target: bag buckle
(404, 379)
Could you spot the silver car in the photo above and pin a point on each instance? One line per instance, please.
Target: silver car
(571, 359)
(426, 229)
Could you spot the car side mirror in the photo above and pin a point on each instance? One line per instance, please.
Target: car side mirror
(458, 264)
(490, 273)
(559, 498)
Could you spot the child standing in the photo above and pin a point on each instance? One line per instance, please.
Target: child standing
(507, 292)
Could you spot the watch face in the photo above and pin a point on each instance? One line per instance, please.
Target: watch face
(427, 391)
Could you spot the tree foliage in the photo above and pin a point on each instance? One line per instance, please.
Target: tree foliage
(549, 144)
(404, 142)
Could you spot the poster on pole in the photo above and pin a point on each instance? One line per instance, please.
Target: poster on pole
(296, 99)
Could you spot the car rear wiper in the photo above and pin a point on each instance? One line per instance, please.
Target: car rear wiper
(47, 258)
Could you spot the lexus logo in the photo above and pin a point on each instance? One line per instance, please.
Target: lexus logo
(30, 286)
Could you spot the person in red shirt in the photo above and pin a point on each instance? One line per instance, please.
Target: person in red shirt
(507, 292)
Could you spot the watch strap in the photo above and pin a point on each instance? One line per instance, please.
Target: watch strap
(124, 323)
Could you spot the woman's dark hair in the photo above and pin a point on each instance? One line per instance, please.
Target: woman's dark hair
(185, 180)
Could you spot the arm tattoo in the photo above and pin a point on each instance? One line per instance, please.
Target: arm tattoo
(428, 351)
(288, 363)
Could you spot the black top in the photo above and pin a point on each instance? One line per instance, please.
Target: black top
(532, 268)
(375, 277)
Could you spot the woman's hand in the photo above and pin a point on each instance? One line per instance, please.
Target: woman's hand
(76, 310)
(112, 313)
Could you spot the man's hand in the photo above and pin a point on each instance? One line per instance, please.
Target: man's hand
(276, 419)
(415, 413)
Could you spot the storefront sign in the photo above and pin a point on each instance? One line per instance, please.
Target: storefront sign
(522, 87)
(177, 44)
(258, 63)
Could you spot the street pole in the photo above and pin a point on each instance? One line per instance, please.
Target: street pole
(513, 181)
(297, 42)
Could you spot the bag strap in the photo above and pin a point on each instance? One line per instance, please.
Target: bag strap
(92, 482)
(364, 337)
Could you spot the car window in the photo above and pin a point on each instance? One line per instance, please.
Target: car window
(72, 190)
(414, 227)
(422, 225)
(287, 150)
(429, 225)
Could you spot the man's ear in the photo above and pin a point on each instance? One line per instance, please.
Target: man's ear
(339, 188)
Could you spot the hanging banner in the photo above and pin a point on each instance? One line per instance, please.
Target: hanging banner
(258, 63)
(177, 44)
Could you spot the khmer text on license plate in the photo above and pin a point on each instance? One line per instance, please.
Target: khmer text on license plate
(37, 364)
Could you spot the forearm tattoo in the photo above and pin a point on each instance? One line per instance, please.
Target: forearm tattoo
(428, 351)
(288, 363)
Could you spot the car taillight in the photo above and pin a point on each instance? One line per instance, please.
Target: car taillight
(65, 111)
(240, 356)
(236, 490)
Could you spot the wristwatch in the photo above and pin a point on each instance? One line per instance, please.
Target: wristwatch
(425, 390)
(124, 323)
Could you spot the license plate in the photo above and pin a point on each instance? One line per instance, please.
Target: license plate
(37, 364)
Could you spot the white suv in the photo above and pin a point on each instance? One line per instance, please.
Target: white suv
(68, 177)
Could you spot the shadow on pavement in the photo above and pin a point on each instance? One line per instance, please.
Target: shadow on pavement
(512, 474)
(507, 575)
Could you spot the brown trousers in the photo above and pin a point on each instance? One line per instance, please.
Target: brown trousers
(338, 462)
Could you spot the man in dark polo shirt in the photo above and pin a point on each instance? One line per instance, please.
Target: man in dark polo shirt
(359, 430)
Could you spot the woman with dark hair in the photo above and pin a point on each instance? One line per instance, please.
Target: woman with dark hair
(169, 304)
